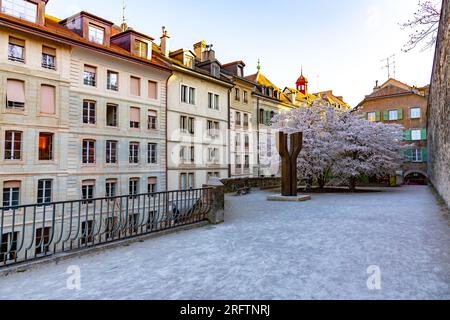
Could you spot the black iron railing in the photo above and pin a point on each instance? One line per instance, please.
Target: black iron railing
(40, 230)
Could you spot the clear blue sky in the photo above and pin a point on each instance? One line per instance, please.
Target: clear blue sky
(339, 43)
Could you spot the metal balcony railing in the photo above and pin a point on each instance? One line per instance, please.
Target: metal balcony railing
(37, 231)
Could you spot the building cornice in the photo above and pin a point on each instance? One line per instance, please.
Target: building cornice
(202, 76)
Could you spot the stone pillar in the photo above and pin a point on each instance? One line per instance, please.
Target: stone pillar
(216, 213)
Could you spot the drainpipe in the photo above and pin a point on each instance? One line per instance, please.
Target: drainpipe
(257, 136)
(229, 132)
(167, 133)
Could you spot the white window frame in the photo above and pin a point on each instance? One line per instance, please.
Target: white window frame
(416, 135)
(412, 114)
(372, 116)
(96, 33)
(47, 186)
(391, 117)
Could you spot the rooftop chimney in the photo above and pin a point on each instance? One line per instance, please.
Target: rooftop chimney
(199, 49)
(165, 42)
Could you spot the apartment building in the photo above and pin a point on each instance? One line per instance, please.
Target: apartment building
(398, 103)
(84, 112)
(197, 116)
(243, 147)
(268, 100)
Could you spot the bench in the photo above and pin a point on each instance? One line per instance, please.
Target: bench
(243, 191)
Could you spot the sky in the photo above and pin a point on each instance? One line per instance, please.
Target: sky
(340, 44)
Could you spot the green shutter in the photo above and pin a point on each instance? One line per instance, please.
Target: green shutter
(424, 155)
(424, 134)
(408, 135)
(378, 116)
(408, 155)
(386, 115)
(267, 116)
(367, 115)
(400, 114)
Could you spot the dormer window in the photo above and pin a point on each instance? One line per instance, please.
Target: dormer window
(141, 48)
(215, 70)
(240, 71)
(189, 62)
(96, 34)
(21, 9)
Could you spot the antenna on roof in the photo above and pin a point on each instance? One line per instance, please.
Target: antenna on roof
(390, 64)
(124, 20)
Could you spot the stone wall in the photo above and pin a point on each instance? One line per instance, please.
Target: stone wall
(231, 185)
(439, 111)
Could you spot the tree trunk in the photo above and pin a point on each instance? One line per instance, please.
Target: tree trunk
(322, 182)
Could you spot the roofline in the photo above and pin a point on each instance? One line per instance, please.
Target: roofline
(368, 98)
(179, 68)
(132, 31)
(70, 41)
(81, 13)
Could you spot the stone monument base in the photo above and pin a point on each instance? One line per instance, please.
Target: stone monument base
(279, 197)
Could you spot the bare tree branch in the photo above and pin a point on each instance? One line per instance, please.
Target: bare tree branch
(426, 25)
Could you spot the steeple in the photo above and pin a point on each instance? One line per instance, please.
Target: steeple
(259, 66)
(302, 83)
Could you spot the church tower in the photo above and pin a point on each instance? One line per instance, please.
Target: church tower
(302, 84)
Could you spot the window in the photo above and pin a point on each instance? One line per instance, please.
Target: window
(211, 175)
(152, 185)
(372, 116)
(183, 181)
(189, 61)
(45, 146)
(9, 245)
(111, 227)
(111, 152)
(246, 120)
(191, 125)
(213, 154)
(88, 153)
(134, 152)
(44, 191)
(42, 240)
(245, 96)
(16, 50)
(246, 141)
(237, 94)
(110, 188)
(247, 162)
(238, 119)
(238, 140)
(213, 128)
(416, 155)
(141, 48)
(21, 9)
(135, 117)
(87, 191)
(191, 181)
(11, 193)
(111, 115)
(134, 187)
(48, 99)
(13, 145)
(415, 113)
(89, 112)
(261, 116)
(213, 101)
(90, 76)
(15, 94)
(393, 115)
(183, 154)
(48, 58)
(186, 181)
(238, 162)
(152, 90)
(152, 153)
(240, 71)
(187, 94)
(96, 34)
(416, 135)
(192, 153)
(215, 70)
(135, 86)
(87, 231)
(152, 120)
(183, 123)
(112, 81)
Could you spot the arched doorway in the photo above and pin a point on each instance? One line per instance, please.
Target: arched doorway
(416, 178)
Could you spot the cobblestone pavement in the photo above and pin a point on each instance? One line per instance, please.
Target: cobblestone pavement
(319, 249)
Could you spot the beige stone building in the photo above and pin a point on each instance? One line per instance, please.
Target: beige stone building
(243, 139)
(197, 117)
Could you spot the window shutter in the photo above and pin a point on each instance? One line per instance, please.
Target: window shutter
(408, 135)
(135, 114)
(17, 42)
(11, 184)
(366, 115)
(90, 69)
(47, 99)
(135, 84)
(424, 134)
(408, 155)
(400, 114)
(49, 51)
(16, 91)
(424, 154)
(152, 90)
(378, 113)
(152, 180)
(386, 115)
